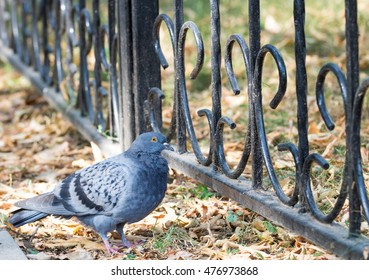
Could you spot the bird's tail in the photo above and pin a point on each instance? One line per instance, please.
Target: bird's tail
(38, 207)
(21, 217)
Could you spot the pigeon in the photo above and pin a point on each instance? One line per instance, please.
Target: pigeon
(108, 194)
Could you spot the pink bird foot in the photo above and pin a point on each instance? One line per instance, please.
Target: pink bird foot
(110, 249)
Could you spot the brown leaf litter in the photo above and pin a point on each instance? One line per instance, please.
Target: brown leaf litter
(38, 149)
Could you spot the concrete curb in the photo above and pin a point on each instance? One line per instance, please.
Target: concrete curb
(9, 250)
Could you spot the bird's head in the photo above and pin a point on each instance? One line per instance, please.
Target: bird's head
(150, 142)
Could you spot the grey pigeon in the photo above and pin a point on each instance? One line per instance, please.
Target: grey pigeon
(107, 195)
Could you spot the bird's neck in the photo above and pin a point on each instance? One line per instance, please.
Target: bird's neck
(139, 154)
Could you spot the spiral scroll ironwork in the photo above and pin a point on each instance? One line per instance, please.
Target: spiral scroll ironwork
(355, 147)
(36, 30)
(163, 18)
(302, 194)
(78, 53)
(333, 68)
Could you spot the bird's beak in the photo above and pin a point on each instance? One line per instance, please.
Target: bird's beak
(168, 147)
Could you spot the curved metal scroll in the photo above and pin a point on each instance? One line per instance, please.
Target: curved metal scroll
(182, 86)
(355, 147)
(329, 217)
(164, 63)
(260, 120)
(237, 171)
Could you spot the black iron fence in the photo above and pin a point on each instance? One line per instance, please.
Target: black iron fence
(99, 63)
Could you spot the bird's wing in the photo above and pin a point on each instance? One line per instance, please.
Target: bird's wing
(95, 189)
(45, 203)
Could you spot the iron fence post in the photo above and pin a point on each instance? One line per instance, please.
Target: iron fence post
(138, 65)
(58, 63)
(15, 34)
(301, 91)
(114, 104)
(125, 91)
(180, 124)
(216, 84)
(4, 17)
(35, 56)
(254, 34)
(33, 42)
(352, 64)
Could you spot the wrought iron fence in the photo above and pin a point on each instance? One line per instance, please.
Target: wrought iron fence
(102, 70)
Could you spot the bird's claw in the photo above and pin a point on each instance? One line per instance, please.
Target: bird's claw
(128, 244)
(113, 251)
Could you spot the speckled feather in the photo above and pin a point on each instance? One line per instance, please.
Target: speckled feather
(106, 195)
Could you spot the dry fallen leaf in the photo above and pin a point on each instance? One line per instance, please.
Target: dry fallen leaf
(79, 254)
(39, 256)
(73, 242)
(49, 156)
(281, 164)
(5, 206)
(258, 224)
(313, 128)
(180, 255)
(33, 160)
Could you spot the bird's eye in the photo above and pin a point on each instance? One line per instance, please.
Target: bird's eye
(154, 139)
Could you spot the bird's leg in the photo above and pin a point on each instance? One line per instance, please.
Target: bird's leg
(108, 247)
(125, 242)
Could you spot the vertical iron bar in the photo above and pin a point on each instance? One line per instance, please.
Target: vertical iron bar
(352, 64)
(301, 88)
(25, 32)
(36, 62)
(16, 43)
(3, 19)
(71, 43)
(58, 68)
(181, 127)
(84, 95)
(45, 5)
(114, 126)
(146, 67)
(99, 119)
(216, 84)
(125, 48)
(254, 37)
